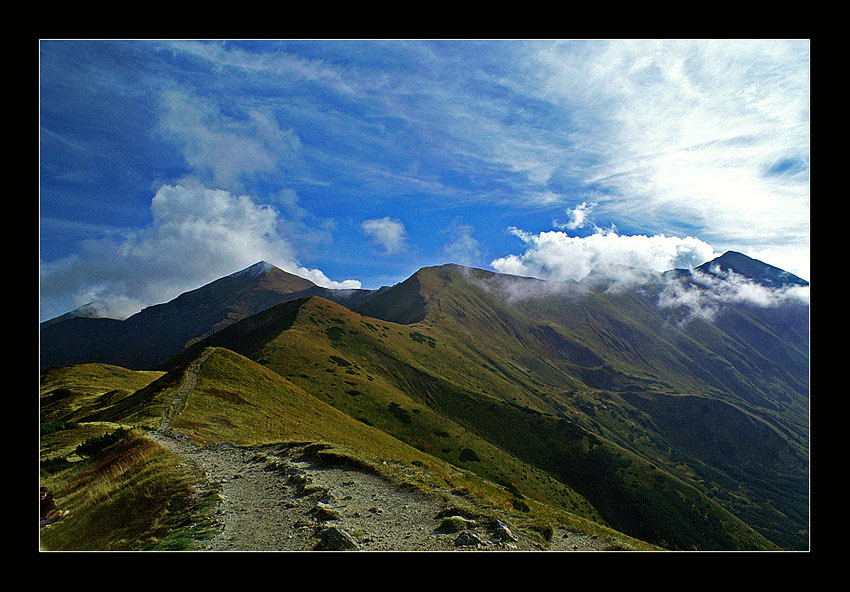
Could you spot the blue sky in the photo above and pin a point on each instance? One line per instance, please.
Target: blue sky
(167, 164)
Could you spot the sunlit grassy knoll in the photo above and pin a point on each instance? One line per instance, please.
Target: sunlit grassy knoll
(68, 393)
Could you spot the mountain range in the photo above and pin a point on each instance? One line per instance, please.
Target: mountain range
(686, 432)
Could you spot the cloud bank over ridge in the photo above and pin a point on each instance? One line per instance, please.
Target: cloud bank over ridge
(703, 296)
(606, 260)
(197, 235)
(555, 255)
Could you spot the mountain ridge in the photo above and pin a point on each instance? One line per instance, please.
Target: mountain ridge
(158, 331)
(551, 387)
(449, 293)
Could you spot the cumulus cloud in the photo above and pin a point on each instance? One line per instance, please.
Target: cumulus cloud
(555, 255)
(462, 248)
(613, 262)
(197, 235)
(704, 296)
(388, 233)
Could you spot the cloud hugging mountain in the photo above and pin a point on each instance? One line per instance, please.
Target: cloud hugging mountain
(699, 405)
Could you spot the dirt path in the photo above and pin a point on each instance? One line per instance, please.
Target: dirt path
(278, 498)
(285, 498)
(190, 381)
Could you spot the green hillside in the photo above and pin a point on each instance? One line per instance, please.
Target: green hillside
(580, 353)
(71, 392)
(239, 401)
(417, 383)
(562, 402)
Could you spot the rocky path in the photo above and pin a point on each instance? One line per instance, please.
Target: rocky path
(279, 498)
(286, 498)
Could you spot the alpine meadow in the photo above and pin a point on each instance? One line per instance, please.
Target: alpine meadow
(424, 295)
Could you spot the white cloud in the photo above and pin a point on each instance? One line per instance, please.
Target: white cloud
(620, 262)
(386, 232)
(555, 255)
(320, 279)
(709, 135)
(578, 217)
(223, 151)
(198, 235)
(705, 295)
(463, 248)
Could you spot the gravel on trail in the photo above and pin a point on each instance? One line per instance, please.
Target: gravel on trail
(280, 498)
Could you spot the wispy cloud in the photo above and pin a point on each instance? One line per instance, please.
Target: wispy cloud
(687, 133)
(387, 233)
(222, 151)
(462, 247)
(708, 137)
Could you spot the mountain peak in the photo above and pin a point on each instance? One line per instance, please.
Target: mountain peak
(753, 269)
(258, 268)
(90, 310)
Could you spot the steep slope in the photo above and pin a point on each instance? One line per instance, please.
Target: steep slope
(589, 353)
(157, 332)
(479, 400)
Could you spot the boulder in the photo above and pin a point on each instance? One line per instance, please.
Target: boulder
(335, 539)
(503, 532)
(467, 539)
(455, 524)
(323, 513)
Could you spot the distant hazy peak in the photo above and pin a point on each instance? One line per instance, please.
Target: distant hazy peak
(753, 269)
(90, 310)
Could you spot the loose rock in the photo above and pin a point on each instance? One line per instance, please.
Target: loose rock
(467, 539)
(335, 539)
(503, 532)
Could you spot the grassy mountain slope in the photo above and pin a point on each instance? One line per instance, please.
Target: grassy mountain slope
(567, 398)
(69, 393)
(577, 352)
(132, 495)
(237, 400)
(479, 401)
